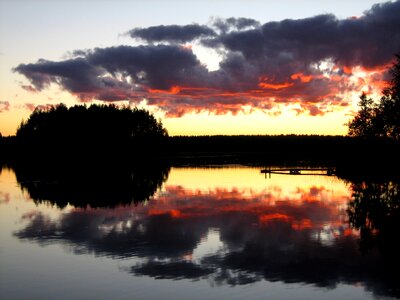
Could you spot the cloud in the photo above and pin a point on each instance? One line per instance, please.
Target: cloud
(225, 25)
(157, 67)
(310, 64)
(32, 106)
(172, 33)
(73, 74)
(4, 197)
(28, 88)
(117, 73)
(4, 106)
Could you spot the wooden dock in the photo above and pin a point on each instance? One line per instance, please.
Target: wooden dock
(300, 171)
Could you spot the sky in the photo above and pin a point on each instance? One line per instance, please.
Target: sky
(202, 67)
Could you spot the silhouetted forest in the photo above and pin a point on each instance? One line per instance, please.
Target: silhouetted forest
(101, 134)
(349, 154)
(84, 131)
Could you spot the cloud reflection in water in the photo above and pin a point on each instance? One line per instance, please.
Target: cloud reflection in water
(229, 235)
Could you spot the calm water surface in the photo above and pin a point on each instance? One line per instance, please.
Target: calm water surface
(206, 233)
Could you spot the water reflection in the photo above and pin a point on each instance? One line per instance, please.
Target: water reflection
(233, 227)
(375, 212)
(96, 185)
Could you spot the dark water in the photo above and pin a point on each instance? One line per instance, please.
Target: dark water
(197, 233)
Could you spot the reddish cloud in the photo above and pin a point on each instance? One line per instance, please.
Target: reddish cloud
(302, 77)
(275, 86)
(29, 88)
(4, 106)
(4, 197)
(32, 106)
(312, 63)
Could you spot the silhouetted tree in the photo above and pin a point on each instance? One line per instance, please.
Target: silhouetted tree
(363, 124)
(389, 106)
(104, 129)
(380, 119)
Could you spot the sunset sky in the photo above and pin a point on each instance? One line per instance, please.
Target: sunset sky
(203, 67)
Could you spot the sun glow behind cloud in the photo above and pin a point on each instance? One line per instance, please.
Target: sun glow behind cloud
(265, 115)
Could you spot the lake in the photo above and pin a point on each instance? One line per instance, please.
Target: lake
(196, 233)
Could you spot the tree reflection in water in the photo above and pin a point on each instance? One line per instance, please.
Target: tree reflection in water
(375, 211)
(264, 236)
(103, 183)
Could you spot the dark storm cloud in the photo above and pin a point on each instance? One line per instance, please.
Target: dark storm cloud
(370, 40)
(262, 65)
(117, 73)
(172, 33)
(158, 66)
(75, 75)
